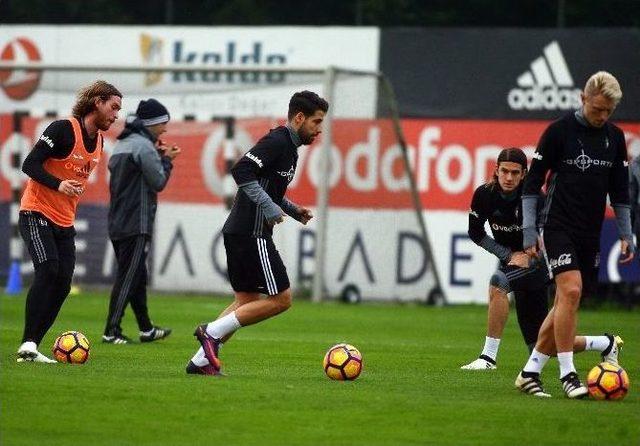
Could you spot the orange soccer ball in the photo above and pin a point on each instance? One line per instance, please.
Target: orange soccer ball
(71, 347)
(342, 362)
(608, 382)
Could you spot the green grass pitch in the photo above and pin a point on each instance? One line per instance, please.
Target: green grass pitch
(410, 392)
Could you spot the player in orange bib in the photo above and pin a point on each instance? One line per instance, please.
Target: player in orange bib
(58, 168)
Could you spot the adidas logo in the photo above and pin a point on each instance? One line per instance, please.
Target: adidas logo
(547, 85)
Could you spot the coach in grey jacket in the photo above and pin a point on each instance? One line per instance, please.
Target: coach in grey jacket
(140, 166)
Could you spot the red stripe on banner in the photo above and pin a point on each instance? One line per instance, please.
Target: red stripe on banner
(452, 158)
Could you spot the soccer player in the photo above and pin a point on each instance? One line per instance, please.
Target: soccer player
(634, 197)
(140, 166)
(634, 194)
(58, 168)
(587, 157)
(499, 202)
(253, 263)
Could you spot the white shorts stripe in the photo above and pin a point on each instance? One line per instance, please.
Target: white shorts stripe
(36, 240)
(519, 273)
(35, 247)
(544, 253)
(262, 263)
(38, 237)
(266, 266)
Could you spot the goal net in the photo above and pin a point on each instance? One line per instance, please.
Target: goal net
(370, 236)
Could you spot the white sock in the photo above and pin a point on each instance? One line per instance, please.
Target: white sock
(147, 333)
(566, 363)
(491, 346)
(599, 343)
(219, 328)
(200, 359)
(536, 362)
(29, 346)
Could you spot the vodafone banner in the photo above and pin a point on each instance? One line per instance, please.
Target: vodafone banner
(373, 234)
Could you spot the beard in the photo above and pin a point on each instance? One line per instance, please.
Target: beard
(305, 138)
(102, 122)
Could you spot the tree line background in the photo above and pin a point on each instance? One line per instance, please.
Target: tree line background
(383, 13)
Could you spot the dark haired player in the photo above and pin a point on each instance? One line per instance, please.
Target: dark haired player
(499, 203)
(254, 265)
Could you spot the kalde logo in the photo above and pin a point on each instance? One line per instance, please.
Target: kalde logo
(48, 141)
(254, 158)
(20, 84)
(547, 86)
(229, 55)
(151, 51)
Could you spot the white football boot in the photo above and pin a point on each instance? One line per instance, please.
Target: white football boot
(479, 364)
(610, 355)
(572, 386)
(28, 352)
(531, 385)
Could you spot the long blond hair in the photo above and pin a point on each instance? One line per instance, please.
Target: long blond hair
(85, 102)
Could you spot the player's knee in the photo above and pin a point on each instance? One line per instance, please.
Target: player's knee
(47, 271)
(499, 280)
(65, 275)
(283, 300)
(571, 292)
(63, 286)
(243, 298)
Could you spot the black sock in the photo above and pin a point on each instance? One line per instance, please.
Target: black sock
(608, 349)
(568, 376)
(531, 310)
(488, 359)
(36, 305)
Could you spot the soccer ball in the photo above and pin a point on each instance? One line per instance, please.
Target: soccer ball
(71, 347)
(342, 362)
(608, 382)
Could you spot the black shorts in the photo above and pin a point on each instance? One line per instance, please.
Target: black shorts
(565, 251)
(254, 265)
(527, 279)
(45, 240)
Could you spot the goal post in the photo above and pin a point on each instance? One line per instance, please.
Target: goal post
(386, 108)
(369, 230)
